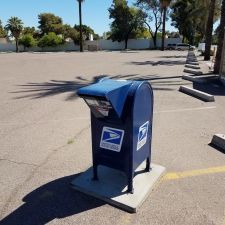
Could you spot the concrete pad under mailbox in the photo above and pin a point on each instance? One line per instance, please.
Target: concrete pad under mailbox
(112, 185)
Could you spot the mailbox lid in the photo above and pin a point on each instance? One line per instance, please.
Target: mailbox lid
(115, 91)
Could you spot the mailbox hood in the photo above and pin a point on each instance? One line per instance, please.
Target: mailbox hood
(115, 91)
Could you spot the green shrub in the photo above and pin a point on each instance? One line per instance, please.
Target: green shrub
(50, 40)
(27, 41)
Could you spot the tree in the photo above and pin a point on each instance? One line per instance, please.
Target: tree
(164, 5)
(220, 39)
(80, 20)
(107, 35)
(50, 40)
(209, 30)
(190, 17)
(50, 23)
(28, 30)
(199, 13)
(86, 31)
(27, 41)
(153, 13)
(126, 21)
(180, 16)
(96, 36)
(2, 31)
(74, 35)
(143, 33)
(66, 31)
(15, 26)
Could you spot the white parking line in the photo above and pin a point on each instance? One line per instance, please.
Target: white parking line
(183, 110)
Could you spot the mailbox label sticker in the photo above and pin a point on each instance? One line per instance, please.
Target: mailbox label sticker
(142, 135)
(101, 106)
(111, 139)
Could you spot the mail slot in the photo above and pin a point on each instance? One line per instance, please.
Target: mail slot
(121, 125)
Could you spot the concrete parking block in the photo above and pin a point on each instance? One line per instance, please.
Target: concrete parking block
(192, 59)
(219, 141)
(208, 76)
(199, 94)
(190, 78)
(112, 186)
(192, 66)
(192, 63)
(193, 71)
(200, 78)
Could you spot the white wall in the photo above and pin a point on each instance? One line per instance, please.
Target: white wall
(135, 44)
(110, 45)
(3, 41)
(7, 47)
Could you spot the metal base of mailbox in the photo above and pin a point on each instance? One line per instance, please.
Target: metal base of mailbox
(112, 185)
(130, 186)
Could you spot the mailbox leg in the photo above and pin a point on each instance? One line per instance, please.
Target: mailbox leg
(130, 185)
(148, 168)
(95, 172)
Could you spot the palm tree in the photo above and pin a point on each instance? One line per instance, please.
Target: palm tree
(15, 26)
(220, 39)
(164, 5)
(80, 19)
(209, 29)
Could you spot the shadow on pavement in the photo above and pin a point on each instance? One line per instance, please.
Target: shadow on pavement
(213, 87)
(55, 199)
(159, 63)
(55, 87)
(172, 57)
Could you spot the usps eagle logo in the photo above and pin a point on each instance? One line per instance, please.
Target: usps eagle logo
(111, 139)
(142, 135)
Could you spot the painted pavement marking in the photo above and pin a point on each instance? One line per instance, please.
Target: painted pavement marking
(193, 173)
(187, 109)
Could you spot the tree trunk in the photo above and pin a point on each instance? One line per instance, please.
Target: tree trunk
(126, 42)
(81, 35)
(209, 29)
(155, 40)
(17, 45)
(221, 39)
(163, 29)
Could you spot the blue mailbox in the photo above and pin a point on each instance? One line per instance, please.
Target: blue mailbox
(121, 124)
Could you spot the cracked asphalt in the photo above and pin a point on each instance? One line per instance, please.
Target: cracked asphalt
(45, 140)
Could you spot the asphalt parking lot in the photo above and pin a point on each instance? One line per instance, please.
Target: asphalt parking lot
(45, 140)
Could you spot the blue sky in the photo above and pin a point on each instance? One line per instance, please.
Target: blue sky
(95, 13)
